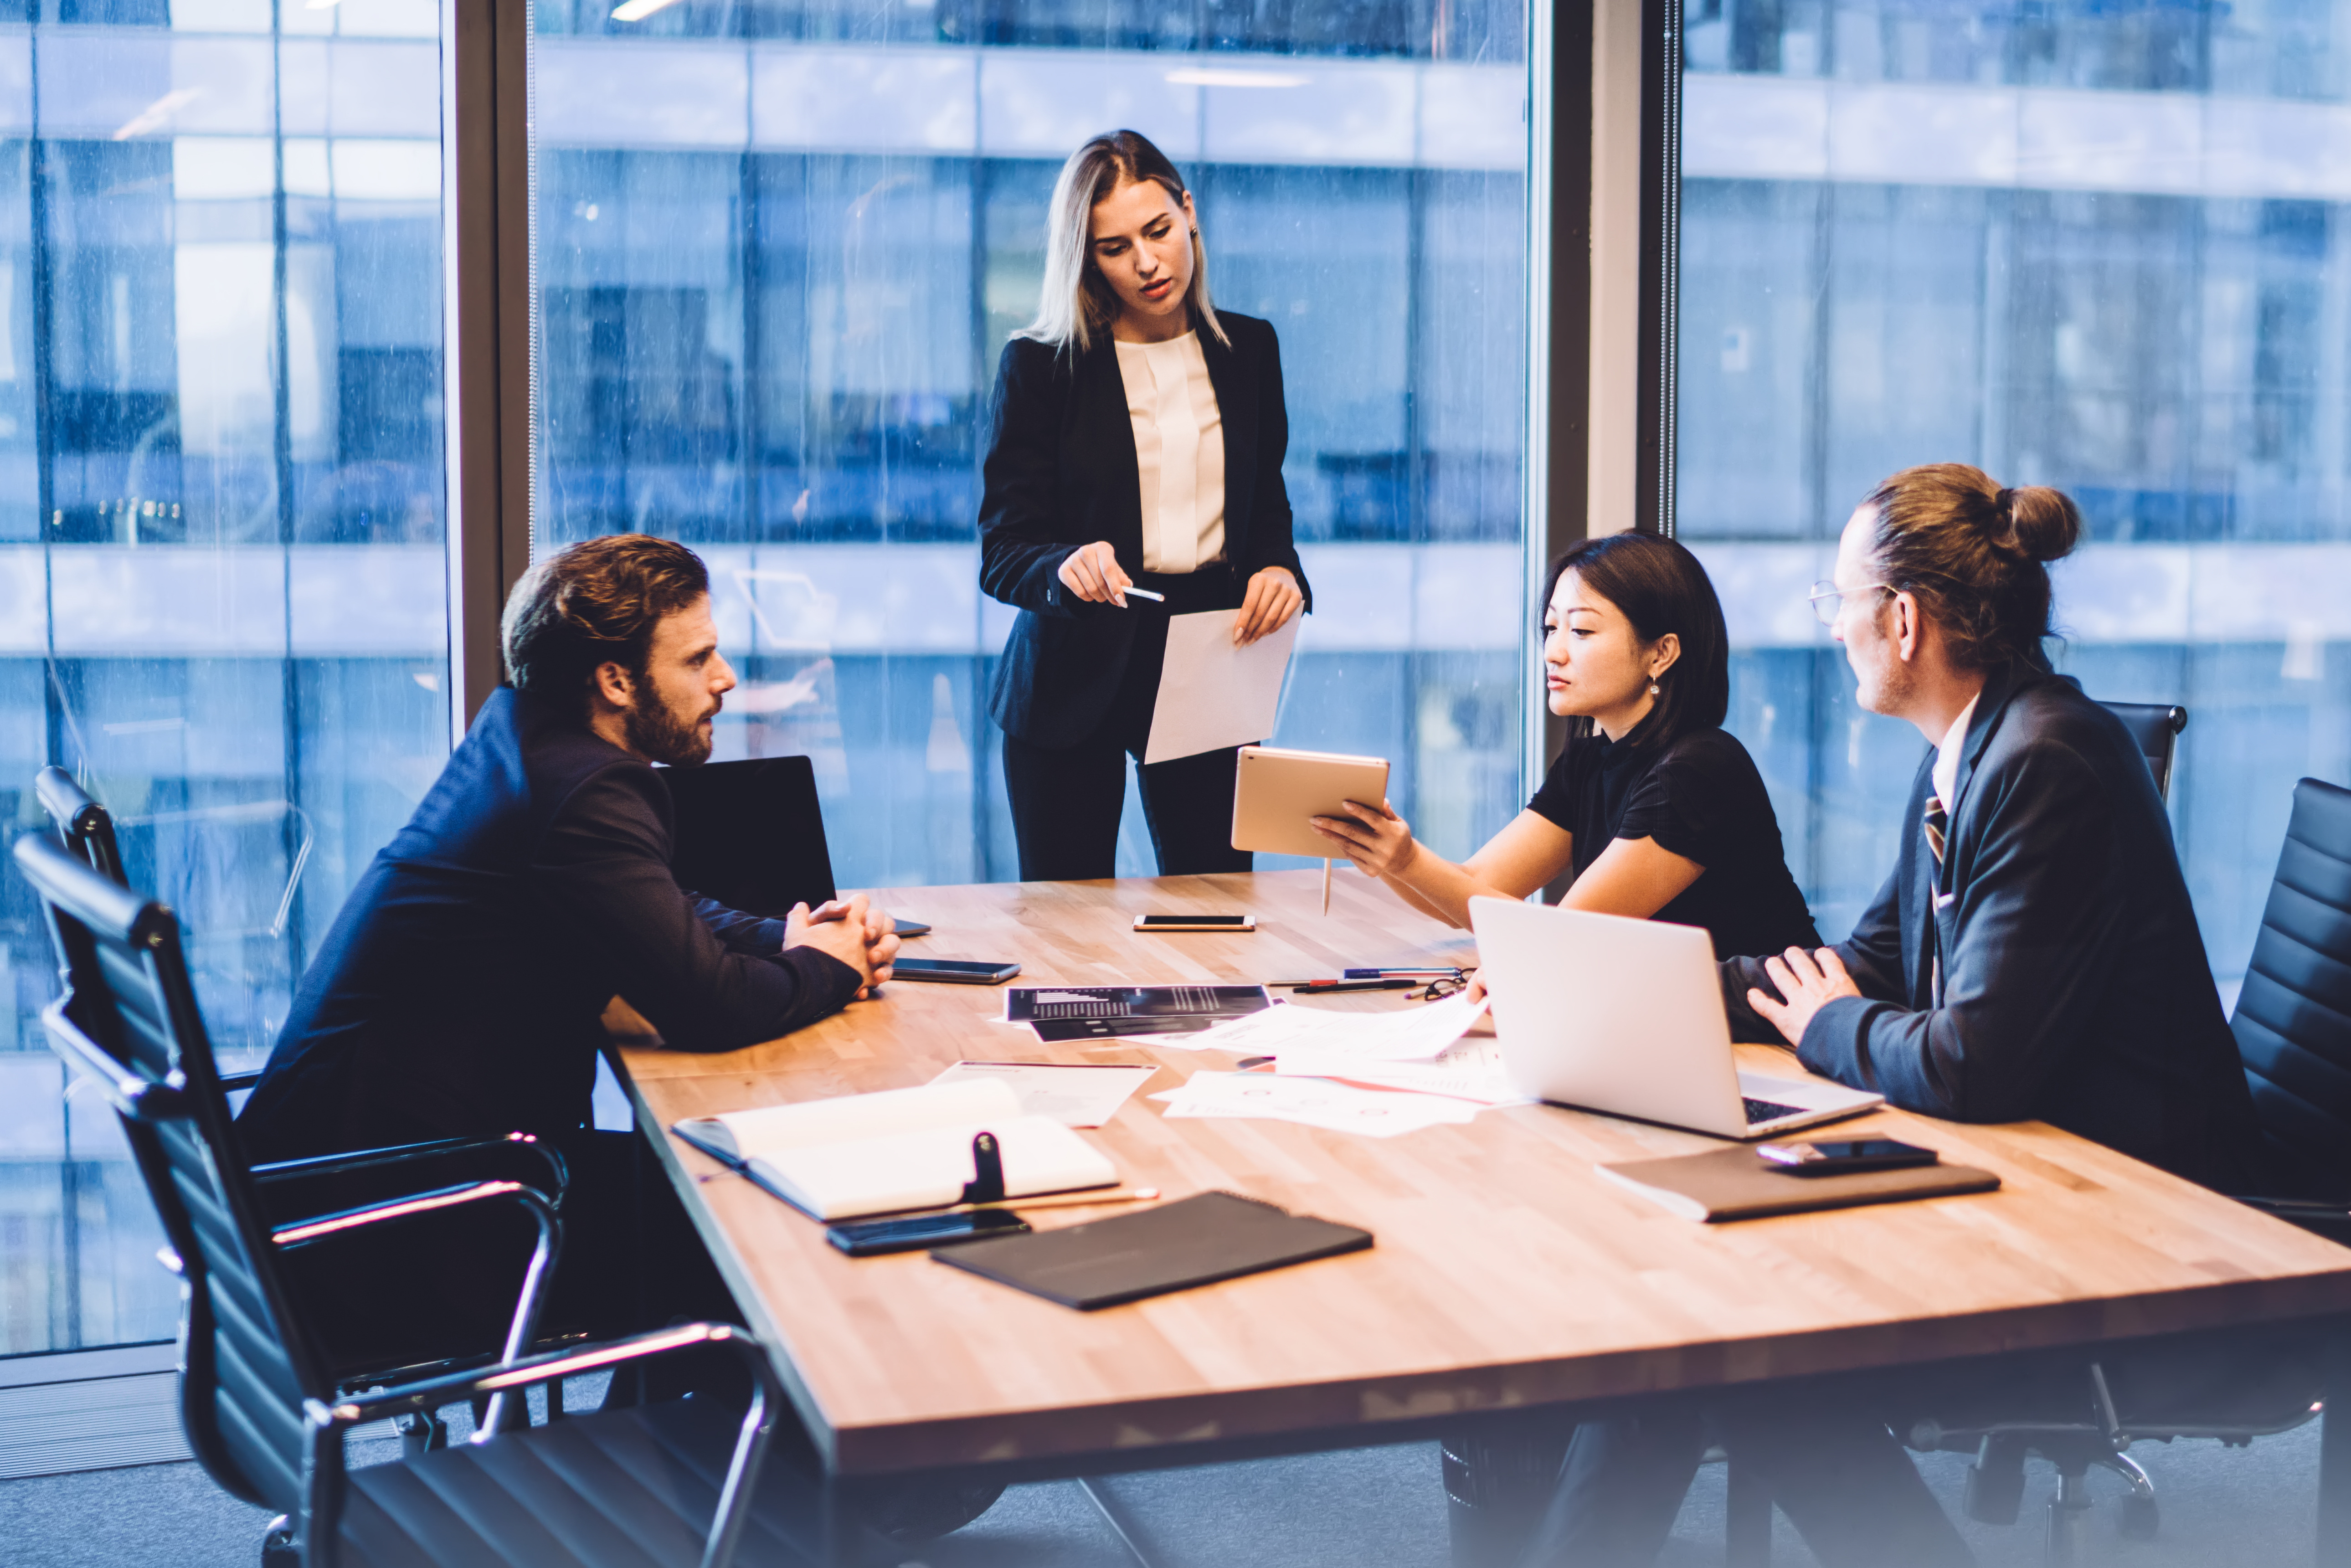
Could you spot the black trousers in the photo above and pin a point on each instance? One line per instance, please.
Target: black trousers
(1067, 800)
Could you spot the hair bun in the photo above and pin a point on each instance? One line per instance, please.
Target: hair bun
(2037, 522)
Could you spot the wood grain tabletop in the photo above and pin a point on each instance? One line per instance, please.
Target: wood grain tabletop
(1506, 1273)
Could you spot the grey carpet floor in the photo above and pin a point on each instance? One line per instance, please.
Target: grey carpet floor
(1367, 1508)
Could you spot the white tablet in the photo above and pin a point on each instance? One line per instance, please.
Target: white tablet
(1275, 791)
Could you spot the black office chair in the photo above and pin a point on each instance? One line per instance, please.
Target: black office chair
(683, 1481)
(81, 822)
(2292, 1024)
(2155, 726)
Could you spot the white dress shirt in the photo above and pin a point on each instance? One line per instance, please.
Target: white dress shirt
(1947, 756)
(1179, 452)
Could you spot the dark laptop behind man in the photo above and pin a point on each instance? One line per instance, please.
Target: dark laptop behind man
(461, 989)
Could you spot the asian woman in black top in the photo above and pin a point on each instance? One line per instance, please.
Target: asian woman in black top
(1658, 811)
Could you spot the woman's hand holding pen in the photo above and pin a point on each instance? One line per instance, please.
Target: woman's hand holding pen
(1373, 837)
(1092, 573)
(1272, 599)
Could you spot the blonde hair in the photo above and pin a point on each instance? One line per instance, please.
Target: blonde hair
(1078, 301)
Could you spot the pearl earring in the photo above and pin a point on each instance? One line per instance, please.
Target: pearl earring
(1653, 688)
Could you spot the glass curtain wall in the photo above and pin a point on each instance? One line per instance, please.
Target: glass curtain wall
(221, 582)
(782, 247)
(2100, 246)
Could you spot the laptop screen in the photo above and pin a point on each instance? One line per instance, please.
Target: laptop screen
(751, 834)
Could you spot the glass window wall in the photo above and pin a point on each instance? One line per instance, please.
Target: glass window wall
(777, 267)
(2103, 246)
(222, 582)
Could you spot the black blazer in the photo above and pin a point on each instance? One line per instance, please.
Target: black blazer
(461, 989)
(2075, 987)
(1060, 473)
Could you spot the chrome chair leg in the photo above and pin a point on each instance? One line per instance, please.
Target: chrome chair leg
(2069, 1513)
(2139, 1515)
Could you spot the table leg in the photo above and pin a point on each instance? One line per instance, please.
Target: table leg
(1747, 1522)
(1121, 1523)
(2335, 1455)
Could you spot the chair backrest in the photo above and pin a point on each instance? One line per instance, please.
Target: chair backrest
(2155, 726)
(129, 1021)
(750, 833)
(2293, 1017)
(84, 824)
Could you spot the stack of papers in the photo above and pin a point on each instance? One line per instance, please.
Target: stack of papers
(1075, 1096)
(1471, 1070)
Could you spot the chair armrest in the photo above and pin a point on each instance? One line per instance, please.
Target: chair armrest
(734, 1511)
(326, 1227)
(2332, 1220)
(403, 1154)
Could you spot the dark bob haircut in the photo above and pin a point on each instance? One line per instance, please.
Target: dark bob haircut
(592, 603)
(1661, 588)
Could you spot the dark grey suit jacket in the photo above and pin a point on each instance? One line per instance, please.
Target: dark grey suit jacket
(2075, 987)
(1060, 473)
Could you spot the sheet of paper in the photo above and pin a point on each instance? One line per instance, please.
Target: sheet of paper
(1417, 1032)
(1212, 693)
(1314, 1102)
(1471, 1070)
(1078, 1096)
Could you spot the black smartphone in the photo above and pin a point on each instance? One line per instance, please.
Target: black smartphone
(1196, 923)
(953, 971)
(872, 1238)
(1831, 1156)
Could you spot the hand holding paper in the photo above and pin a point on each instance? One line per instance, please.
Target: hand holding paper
(1214, 692)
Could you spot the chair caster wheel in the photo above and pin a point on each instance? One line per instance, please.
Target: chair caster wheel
(277, 1548)
(2138, 1517)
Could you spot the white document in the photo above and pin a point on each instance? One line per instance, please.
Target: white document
(1471, 1070)
(1418, 1032)
(1314, 1102)
(1081, 1095)
(1213, 693)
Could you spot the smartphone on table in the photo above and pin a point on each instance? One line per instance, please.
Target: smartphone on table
(873, 1238)
(1158, 922)
(1835, 1157)
(953, 971)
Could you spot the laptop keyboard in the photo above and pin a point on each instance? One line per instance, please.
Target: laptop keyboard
(1767, 1110)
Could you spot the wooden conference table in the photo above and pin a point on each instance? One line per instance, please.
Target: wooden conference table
(1506, 1273)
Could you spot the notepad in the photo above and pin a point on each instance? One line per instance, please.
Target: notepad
(898, 1149)
(1196, 1241)
(1735, 1184)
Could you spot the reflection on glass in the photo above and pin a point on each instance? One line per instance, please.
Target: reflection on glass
(221, 554)
(2083, 245)
(777, 264)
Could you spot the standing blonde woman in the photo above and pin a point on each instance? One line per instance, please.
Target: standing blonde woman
(1135, 442)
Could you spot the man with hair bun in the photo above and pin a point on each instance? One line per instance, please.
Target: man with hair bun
(2033, 954)
(461, 990)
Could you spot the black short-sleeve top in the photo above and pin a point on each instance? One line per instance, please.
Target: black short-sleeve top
(1700, 798)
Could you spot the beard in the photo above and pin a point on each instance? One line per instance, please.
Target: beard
(667, 734)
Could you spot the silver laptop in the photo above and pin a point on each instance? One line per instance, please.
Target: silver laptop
(1626, 1016)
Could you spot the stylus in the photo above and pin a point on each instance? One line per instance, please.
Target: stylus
(1144, 593)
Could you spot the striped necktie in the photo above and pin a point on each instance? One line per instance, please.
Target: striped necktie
(1938, 823)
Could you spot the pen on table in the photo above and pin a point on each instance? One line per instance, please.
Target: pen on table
(1421, 971)
(1069, 1200)
(1144, 593)
(1385, 983)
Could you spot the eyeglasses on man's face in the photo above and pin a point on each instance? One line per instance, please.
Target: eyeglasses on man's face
(1828, 600)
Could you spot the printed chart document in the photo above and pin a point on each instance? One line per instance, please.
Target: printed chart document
(898, 1149)
(1213, 693)
(1079, 1095)
(1106, 1012)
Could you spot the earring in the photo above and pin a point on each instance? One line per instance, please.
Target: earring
(1653, 688)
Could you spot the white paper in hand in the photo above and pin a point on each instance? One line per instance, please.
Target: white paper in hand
(1213, 693)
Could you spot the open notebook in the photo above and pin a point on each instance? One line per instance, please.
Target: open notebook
(898, 1149)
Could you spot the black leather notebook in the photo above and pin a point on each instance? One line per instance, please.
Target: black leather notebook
(1193, 1241)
